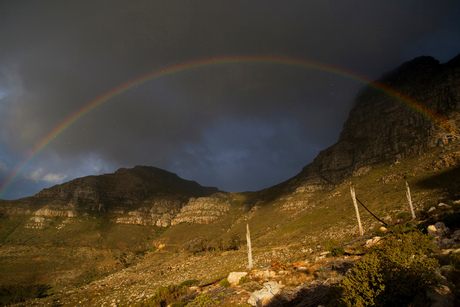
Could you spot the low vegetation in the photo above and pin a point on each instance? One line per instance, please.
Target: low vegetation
(14, 294)
(394, 273)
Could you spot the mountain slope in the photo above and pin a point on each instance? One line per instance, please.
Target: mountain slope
(124, 234)
(381, 129)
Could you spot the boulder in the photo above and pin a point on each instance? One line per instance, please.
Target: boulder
(437, 230)
(441, 296)
(262, 297)
(265, 274)
(431, 231)
(372, 241)
(234, 277)
(444, 205)
(456, 236)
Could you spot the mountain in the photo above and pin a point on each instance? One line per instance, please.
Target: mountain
(115, 238)
(382, 129)
(164, 194)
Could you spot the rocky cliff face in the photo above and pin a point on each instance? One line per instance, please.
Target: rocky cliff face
(142, 195)
(381, 128)
(123, 189)
(154, 213)
(202, 210)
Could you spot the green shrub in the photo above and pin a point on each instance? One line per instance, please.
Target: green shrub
(337, 252)
(189, 283)
(403, 228)
(392, 274)
(224, 283)
(164, 296)
(403, 215)
(204, 300)
(243, 280)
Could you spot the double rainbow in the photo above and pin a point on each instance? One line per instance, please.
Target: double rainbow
(66, 123)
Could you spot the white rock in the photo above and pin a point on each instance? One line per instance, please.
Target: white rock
(263, 296)
(437, 229)
(431, 231)
(431, 209)
(263, 274)
(234, 277)
(372, 241)
(444, 205)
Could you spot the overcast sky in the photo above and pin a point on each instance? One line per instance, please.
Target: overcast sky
(237, 126)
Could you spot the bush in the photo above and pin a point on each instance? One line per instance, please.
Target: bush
(409, 175)
(337, 252)
(235, 242)
(224, 283)
(204, 300)
(403, 228)
(403, 215)
(13, 294)
(196, 245)
(243, 280)
(164, 296)
(189, 283)
(392, 274)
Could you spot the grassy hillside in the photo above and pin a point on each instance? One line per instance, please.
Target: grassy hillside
(89, 253)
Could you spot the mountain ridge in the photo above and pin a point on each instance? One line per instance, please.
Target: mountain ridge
(120, 236)
(379, 129)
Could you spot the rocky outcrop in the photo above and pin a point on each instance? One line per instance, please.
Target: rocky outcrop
(202, 210)
(124, 188)
(141, 195)
(15, 209)
(382, 128)
(262, 297)
(156, 213)
(56, 211)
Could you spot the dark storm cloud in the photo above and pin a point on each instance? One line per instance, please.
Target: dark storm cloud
(238, 126)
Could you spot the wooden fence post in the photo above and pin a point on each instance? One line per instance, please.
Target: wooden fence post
(248, 238)
(353, 196)
(409, 199)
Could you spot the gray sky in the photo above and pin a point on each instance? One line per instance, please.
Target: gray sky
(237, 126)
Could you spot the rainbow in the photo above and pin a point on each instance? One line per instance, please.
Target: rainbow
(66, 123)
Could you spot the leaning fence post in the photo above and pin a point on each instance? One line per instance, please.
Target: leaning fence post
(353, 196)
(409, 199)
(248, 238)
